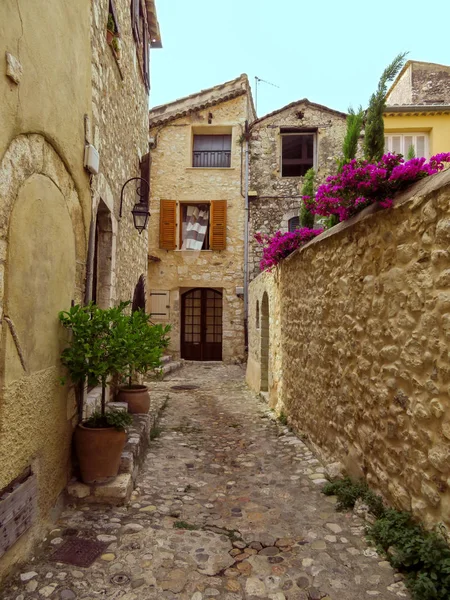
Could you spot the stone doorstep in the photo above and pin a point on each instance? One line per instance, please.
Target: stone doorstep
(118, 490)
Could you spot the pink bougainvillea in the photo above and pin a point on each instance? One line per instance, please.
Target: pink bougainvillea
(361, 183)
(280, 245)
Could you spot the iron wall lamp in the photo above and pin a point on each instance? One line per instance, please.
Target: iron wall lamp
(140, 210)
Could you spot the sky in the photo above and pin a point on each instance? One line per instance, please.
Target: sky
(329, 51)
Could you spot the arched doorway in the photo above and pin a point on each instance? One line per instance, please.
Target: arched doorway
(265, 343)
(102, 289)
(201, 324)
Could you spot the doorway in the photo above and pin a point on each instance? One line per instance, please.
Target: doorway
(201, 324)
(265, 343)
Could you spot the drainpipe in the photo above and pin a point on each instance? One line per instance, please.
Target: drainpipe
(246, 215)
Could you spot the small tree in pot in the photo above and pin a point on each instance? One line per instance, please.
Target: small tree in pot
(97, 351)
(145, 344)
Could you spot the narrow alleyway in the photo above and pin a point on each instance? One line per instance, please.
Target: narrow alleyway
(228, 506)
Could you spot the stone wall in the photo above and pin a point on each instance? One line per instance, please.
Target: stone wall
(173, 178)
(278, 198)
(120, 134)
(364, 329)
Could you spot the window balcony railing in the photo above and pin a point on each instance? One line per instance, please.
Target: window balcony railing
(211, 158)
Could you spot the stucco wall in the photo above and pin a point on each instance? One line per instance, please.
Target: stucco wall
(44, 204)
(436, 126)
(173, 178)
(364, 329)
(278, 198)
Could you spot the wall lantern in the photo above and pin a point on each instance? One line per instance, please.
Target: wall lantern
(140, 210)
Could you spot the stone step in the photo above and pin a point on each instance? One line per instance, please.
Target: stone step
(171, 366)
(166, 359)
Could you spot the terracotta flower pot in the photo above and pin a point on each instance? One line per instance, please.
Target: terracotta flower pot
(137, 397)
(99, 451)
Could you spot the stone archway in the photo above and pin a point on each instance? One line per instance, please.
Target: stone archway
(264, 387)
(102, 277)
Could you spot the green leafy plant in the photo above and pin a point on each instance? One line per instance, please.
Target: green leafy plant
(374, 128)
(144, 343)
(119, 419)
(185, 525)
(111, 26)
(115, 45)
(98, 348)
(411, 152)
(422, 556)
(282, 418)
(306, 217)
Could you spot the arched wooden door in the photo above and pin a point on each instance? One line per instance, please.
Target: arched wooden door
(201, 324)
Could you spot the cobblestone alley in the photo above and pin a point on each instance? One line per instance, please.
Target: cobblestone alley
(228, 506)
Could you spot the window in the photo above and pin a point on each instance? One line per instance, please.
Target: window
(194, 230)
(293, 223)
(400, 143)
(212, 151)
(297, 154)
(257, 314)
(200, 226)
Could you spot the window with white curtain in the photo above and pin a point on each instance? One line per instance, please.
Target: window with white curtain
(401, 142)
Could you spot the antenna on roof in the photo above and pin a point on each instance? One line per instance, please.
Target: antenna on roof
(257, 81)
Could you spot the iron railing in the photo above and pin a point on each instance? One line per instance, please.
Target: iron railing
(211, 158)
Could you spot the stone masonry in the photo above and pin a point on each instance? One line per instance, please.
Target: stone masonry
(364, 328)
(276, 199)
(228, 506)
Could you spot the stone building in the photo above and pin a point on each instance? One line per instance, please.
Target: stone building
(61, 237)
(284, 144)
(418, 110)
(196, 234)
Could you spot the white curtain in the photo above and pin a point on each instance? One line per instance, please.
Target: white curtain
(195, 225)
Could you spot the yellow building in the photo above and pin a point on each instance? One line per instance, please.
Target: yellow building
(63, 86)
(196, 232)
(418, 110)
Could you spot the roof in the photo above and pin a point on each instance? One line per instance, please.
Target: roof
(303, 102)
(153, 25)
(200, 100)
(410, 63)
(416, 108)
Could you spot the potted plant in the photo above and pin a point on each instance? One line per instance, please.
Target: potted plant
(145, 343)
(97, 351)
(110, 29)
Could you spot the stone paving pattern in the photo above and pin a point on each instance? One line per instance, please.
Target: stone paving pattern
(250, 490)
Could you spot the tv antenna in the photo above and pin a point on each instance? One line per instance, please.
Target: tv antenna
(257, 81)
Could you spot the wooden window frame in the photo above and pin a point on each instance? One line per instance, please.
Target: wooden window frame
(135, 8)
(183, 203)
(298, 134)
(402, 134)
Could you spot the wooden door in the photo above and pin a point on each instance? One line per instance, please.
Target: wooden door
(201, 325)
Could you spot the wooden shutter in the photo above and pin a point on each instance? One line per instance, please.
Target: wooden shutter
(146, 58)
(159, 305)
(144, 167)
(218, 230)
(167, 224)
(113, 11)
(135, 12)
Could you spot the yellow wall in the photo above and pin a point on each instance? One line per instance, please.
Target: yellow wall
(44, 205)
(437, 127)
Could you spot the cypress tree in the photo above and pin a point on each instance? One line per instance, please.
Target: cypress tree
(374, 130)
(306, 217)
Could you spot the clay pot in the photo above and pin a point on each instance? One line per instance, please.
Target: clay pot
(99, 451)
(136, 396)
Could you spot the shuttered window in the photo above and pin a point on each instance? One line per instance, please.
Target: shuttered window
(217, 225)
(159, 305)
(135, 15)
(168, 224)
(218, 229)
(400, 143)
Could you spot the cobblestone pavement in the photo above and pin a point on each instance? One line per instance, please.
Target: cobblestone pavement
(228, 506)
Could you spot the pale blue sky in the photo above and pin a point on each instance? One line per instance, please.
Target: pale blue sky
(331, 52)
